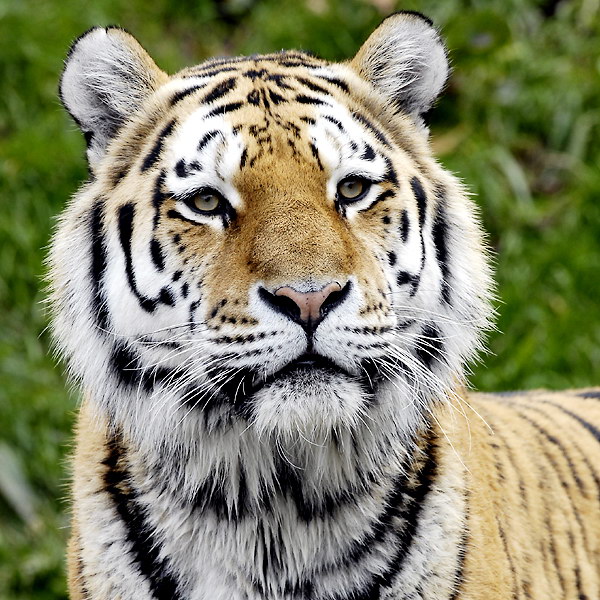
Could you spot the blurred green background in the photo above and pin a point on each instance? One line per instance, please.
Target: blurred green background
(520, 122)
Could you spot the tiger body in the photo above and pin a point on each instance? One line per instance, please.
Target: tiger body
(507, 509)
(269, 290)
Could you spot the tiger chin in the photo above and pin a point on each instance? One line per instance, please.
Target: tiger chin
(268, 291)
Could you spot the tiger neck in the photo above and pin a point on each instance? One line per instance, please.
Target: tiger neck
(269, 521)
(297, 517)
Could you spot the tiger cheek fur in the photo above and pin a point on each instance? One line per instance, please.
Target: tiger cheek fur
(269, 290)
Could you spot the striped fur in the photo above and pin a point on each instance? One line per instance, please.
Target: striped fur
(230, 448)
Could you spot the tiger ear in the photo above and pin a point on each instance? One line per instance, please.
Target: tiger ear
(106, 78)
(405, 59)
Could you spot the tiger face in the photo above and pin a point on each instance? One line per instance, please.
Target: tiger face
(266, 240)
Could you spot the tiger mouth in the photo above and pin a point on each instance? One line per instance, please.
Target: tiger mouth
(242, 386)
(245, 383)
(309, 361)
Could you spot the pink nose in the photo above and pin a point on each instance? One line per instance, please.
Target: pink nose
(309, 303)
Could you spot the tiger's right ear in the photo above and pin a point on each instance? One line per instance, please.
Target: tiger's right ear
(405, 59)
(107, 77)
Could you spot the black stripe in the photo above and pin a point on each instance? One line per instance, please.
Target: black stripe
(501, 479)
(207, 72)
(225, 108)
(589, 426)
(295, 63)
(154, 154)
(173, 214)
(98, 266)
(88, 136)
(381, 198)
(276, 98)
(394, 507)
(594, 394)
(213, 67)
(563, 484)
(584, 456)
(404, 226)
(211, 496)
(459, 573)
(220, 90)
(290, 59)
(181, 169)
(144, 547)
(509, 557)
(440, 241)
(403, 277)
(279, 81)
(556, 442)
(336, 122)
(253, 97)
(158, 198)
(405, 537)
(126, 364)
(368, 152)
(315, 154)
(337, 82)
(429, 346)
(376, 131)
(291, 485)
(157, 255)
(313, 86)
(179, 96)
(206, 138)
(421, 199)
(510, 455)
(302, 99)
(254, 74)
(390, 172)
(80, 568)
(166, 296)
(244, 158)
(222, 62)
(126, 214)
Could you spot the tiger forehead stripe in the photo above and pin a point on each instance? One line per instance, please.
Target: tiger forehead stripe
(286, 80)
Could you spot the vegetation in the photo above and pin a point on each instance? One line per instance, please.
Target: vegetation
(519, 122)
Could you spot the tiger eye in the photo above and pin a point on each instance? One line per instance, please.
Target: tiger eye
(206, 202)
(351, 189)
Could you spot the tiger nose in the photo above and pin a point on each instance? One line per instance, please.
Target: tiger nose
(306, 308)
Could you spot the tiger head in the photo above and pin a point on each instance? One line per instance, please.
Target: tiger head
(266, 240)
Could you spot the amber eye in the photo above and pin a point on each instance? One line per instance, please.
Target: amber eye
(206, 202)
(352, 188)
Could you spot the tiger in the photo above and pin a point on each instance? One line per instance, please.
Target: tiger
(270, 293)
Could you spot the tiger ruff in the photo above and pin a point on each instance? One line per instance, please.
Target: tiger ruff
(268, 290)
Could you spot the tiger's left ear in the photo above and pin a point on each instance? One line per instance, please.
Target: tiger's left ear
(106, 79)
(405, 59)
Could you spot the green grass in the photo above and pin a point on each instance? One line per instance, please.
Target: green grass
(520, 123)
